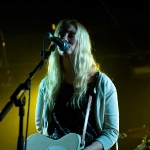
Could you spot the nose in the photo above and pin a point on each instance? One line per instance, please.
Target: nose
(65, 37)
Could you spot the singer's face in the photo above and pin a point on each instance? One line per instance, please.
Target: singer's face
(67, 33)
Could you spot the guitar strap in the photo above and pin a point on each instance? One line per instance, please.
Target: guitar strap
(88, 109)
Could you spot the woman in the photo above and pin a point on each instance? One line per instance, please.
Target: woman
(64, 92)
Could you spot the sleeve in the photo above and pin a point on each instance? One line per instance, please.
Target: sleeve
(110, 124)
(39, 109)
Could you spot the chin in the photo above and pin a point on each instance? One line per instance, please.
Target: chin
(69, 52)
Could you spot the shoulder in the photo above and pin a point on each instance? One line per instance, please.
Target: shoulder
(103, 77)
(43, 82)
(104, 80)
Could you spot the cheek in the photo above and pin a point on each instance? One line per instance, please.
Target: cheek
(73, 47)
(74, 43)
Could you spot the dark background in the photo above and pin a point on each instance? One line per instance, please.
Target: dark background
(121, 41)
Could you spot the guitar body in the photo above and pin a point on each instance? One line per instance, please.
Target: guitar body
(37, 141)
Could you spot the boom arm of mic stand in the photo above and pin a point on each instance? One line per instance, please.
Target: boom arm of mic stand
(21, 89)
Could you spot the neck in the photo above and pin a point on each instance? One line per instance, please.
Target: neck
(68, 70)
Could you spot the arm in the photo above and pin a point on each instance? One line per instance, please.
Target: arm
(110, 128)
(107, 112)
(39, 110)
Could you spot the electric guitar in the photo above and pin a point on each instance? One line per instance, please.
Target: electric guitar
(71, 141)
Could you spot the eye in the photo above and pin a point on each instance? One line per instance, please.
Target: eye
(61, 35)
(71, 36)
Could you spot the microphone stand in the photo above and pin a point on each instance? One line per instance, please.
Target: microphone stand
(19, 99)
(144, 145)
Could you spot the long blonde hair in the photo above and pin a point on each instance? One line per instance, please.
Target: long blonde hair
(84, 64)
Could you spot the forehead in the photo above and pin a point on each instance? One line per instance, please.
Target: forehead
(68, 28)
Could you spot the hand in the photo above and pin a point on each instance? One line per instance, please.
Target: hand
(86, 148)
(94, 146)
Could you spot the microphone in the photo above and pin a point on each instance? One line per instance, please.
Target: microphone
(63, 45)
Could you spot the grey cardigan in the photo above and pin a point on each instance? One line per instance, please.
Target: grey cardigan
(106, 111)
